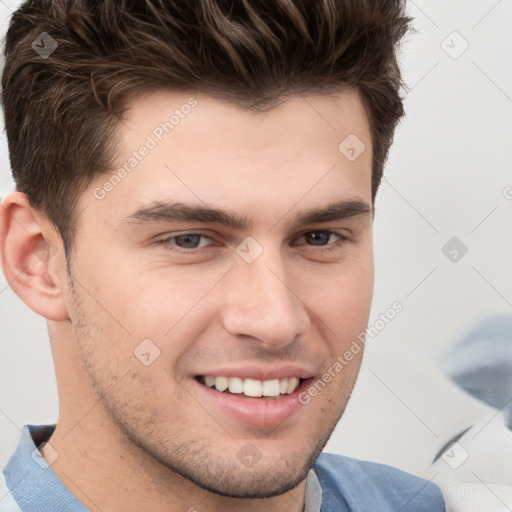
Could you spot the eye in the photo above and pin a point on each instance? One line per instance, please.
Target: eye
(186, 241)
(322, 238)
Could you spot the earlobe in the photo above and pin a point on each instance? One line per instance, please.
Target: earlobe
(30, 253)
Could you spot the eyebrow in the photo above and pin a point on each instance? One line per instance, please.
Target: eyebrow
(161, 212)
(335, 211)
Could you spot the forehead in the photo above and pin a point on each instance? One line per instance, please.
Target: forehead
(179, 147)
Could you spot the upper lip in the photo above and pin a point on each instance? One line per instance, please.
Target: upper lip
(259, 372)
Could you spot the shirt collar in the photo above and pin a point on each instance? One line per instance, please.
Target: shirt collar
(313, 498)
(31, 481)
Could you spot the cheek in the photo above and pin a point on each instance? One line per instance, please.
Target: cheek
(124, 366)
(156, 301)
(341, 300)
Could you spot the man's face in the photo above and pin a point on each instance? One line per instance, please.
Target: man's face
(167, 304)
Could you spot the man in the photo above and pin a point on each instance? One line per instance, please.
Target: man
(193, 217)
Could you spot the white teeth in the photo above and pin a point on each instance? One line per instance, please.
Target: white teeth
(271, 387)
(236, 385)
(253, 387)
(221, 383)
(293, 384)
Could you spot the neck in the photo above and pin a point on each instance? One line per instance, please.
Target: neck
(108, 473)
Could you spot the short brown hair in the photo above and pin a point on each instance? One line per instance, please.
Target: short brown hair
(61, 112)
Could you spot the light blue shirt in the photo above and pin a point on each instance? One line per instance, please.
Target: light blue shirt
(335, 484)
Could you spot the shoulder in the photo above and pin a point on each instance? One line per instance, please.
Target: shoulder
(362, 485)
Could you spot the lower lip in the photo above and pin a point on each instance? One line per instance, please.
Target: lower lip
(255, 411)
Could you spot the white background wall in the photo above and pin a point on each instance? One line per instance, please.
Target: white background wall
(447, 176)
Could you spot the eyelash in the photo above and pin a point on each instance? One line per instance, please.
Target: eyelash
(167, 242)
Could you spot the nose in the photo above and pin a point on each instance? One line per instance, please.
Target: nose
(262, 302)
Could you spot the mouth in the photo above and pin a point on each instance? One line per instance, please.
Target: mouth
(251, 401)
(253, 394)
(271, 389)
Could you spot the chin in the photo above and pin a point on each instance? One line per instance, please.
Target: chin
(271, 475)
(266, 481)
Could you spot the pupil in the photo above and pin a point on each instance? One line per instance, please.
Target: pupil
(317, 237)
(188, 241)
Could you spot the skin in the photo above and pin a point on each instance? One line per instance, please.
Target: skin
(138, 438)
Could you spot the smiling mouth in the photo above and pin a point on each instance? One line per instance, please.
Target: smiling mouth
(251, 388)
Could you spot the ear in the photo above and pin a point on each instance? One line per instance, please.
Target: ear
(33, 259)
